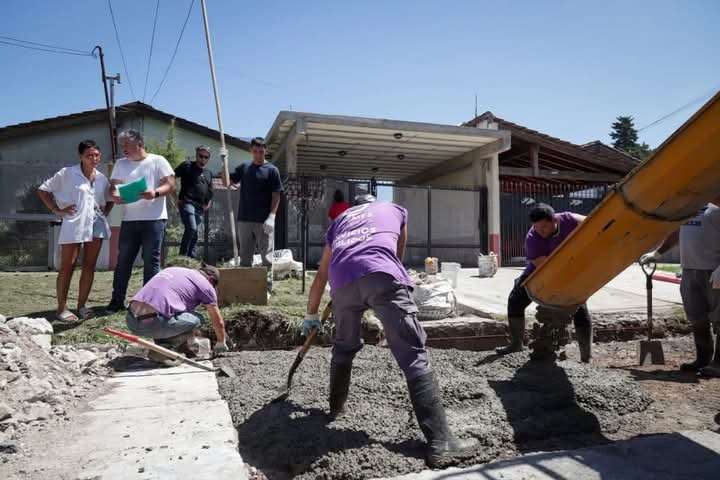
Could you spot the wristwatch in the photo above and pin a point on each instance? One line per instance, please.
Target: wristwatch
(157, 194)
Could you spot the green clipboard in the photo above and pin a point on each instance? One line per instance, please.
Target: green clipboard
(130, 192)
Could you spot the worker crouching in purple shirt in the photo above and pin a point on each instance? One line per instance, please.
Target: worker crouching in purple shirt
(362, 259)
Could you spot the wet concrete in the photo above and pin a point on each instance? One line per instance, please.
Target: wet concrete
(510, 405)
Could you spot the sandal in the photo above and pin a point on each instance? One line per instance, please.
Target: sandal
(85, 313)
(66, 316)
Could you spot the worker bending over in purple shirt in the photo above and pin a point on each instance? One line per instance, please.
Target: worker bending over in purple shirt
(548, 231)
(362, 261)
(164, 308)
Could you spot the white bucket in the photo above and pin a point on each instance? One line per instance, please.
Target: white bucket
(451, 270)
(431, 265)
(487, 265)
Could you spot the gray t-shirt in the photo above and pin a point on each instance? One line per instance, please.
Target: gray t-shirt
(700, 240)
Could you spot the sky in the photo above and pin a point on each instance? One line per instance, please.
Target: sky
(566, 68)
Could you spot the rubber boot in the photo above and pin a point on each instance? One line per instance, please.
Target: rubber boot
(516, 326)
(584, 339)
(703, 348)
(442, 446)
(339, 387)
(713, 369)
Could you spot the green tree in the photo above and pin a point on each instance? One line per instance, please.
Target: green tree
(625, 138)
(169, 149)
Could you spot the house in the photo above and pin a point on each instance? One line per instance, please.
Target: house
(31, 152)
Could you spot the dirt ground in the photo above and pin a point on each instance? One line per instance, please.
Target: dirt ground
(511, 405)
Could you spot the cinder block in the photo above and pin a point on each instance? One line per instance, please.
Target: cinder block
(243, 285)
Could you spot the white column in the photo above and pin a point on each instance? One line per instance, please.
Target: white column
(492, 182)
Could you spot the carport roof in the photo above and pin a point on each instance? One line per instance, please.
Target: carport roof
(359, 147)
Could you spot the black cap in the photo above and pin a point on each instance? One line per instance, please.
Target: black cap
(211, 272)
(257, 142)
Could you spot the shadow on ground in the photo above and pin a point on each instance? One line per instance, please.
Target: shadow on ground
(541, 406)
(285, 439)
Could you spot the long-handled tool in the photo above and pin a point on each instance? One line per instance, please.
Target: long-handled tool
(301, 354)
(650, 347)
(165, 351)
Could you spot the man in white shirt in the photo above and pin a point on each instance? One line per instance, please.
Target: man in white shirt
(144, 221)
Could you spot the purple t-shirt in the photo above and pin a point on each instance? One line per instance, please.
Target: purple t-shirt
(363, 240)
(176, 290)
(536, 246)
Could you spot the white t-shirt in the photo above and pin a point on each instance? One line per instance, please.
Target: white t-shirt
(154, 168)
(70, 186)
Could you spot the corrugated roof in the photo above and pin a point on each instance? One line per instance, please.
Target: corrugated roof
(590, 152)
(60, 121)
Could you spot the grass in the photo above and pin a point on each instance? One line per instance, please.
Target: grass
(32, 294)
(669, 267)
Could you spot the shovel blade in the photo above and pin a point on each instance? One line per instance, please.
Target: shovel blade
(651, 351)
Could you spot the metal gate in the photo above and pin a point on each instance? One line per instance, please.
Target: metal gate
(518, 198)
(445, 222)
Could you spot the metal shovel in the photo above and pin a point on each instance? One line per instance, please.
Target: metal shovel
(301, 354)
(650, 348)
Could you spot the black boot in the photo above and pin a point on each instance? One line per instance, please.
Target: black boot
(584, 339)
(443, 447)
(516, 326)
(713, 369)
(339, 387)
(704, 350)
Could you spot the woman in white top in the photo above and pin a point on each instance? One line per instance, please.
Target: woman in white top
(80, 195)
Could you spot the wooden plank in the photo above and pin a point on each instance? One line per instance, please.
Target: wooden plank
(243, 285)
(560, 174)
(535, 159)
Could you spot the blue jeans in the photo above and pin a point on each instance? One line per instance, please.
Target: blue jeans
(160, 327)
(191, 216)
(147, 234)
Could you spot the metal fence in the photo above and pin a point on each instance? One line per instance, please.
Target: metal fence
(445, 222)
(517, 198)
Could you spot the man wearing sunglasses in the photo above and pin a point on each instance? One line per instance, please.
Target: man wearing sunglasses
(164, 308)
(195, 197)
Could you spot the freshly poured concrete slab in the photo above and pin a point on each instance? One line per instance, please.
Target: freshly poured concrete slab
(156, 424)
(675, 456)
(625, 293)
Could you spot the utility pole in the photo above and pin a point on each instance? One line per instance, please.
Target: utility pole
(223, 147)
(113, 117)
(103, 79)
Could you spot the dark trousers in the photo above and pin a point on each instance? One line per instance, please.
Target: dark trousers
(191, 216)
(393, 304)
(519, 300)
(147, 234)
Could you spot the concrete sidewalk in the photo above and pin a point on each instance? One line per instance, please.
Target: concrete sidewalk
(624, 294)
(156, 424)
(675, 456)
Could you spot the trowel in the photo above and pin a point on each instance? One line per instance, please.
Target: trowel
(650, 348)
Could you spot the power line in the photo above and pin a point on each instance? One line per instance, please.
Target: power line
(45, 45)
(152, 44)
(49, 50)
(122, 54)
(679, 109)
(172, 59)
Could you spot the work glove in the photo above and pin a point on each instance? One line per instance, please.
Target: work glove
(220, 347)
(269, 225)
(650, 257)
(715, 278)
(312, 320)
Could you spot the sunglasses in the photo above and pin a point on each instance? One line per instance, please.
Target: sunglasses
(204, 157)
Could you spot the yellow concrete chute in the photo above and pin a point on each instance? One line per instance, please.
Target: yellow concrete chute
(647, 205)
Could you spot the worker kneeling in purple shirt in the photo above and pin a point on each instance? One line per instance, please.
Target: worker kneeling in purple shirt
(548, 231)
(164, 308)
(362, 260)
